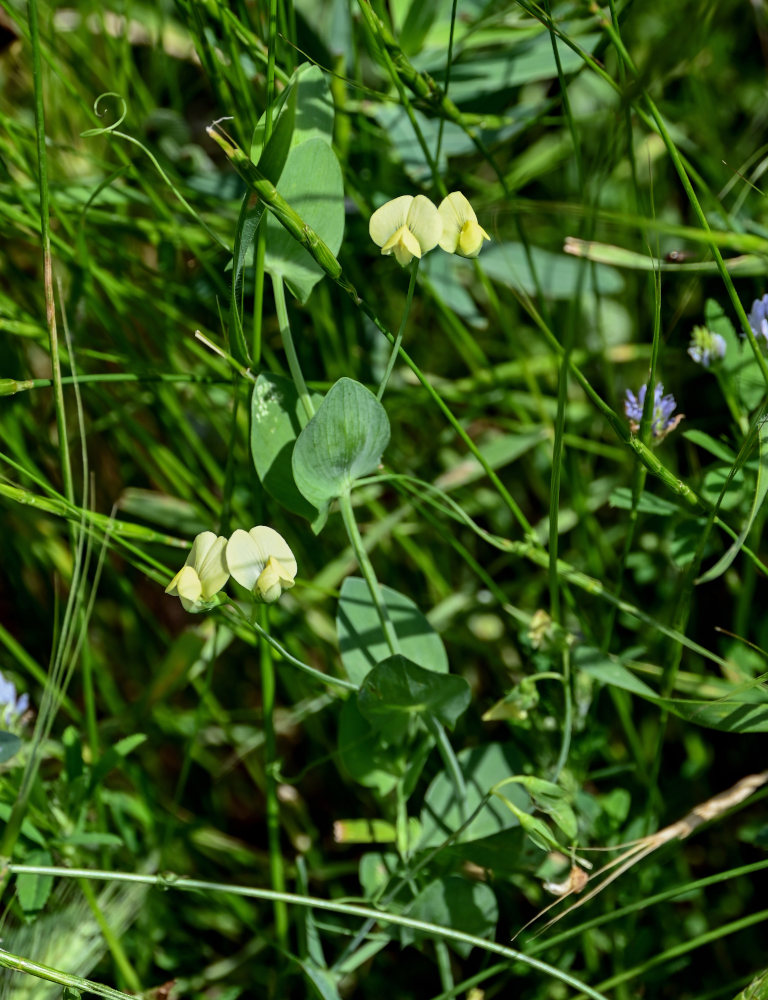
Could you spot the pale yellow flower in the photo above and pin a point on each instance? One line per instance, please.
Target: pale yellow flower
(261, 561)
(462, 234)
(203, 574)
(408, 227)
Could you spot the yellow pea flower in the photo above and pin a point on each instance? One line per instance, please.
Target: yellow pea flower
(261, 561)
(203, 574)
(462, 234)
(408, 227)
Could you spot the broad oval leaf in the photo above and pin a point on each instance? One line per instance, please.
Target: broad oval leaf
(455, 902)
(364, 755)
(482, 767)
(361, 638)
(277, 418)
(312, 115)
(343, 441)
(312, 184)
(397, 692)
(10, 744)
(558, 274)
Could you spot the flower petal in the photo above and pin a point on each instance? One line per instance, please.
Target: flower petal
(273, 580)
(404, 245)
(386, 220)
(186, 584)
(213, 570)
(454, 211)
(471, 239)
(200, 548)
(272, 543)
(248, 553)
(425, 223)
(244, 559)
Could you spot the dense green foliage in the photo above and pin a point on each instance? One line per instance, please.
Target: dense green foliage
(526, 623)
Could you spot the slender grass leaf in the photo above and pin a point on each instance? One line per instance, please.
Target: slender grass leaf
(112, 758)
(761, 488)
(419, 19)
(323, 981)
(275, 153)
(271, 164)
(742, 709)
(648, 503)
(310, 94)
(710, 444)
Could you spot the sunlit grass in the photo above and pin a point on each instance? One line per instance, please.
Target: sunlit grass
(571, 568)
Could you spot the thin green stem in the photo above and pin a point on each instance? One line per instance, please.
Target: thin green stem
(171, 881)
(399, 338)
(276, 867)
(240, 621)
(448, 66)
(374, 25)
(45, 972)
(290, 349)
(451, 762)
(260, 245)
(695, 204)
(369, 575)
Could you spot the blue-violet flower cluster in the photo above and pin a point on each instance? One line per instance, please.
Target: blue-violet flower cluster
(12, 705)
(758, 318)
(706, 347)
(662, 421)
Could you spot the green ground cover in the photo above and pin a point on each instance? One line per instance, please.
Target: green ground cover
(420, 351)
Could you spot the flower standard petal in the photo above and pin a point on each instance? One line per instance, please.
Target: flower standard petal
(272, 543)
(244, 559)
(425, 223)
(212, 568)
(200, 546)
(249, 553)
(386, 220)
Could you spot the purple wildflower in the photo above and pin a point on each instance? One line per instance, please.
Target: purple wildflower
(12, 705)
(758, 317)
(662, 421)
(706, 347)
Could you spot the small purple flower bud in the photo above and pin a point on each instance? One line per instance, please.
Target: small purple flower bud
(12, 705)
(662, 421)
(758, 318)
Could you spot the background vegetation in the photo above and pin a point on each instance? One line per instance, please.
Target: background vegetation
(615, 155)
